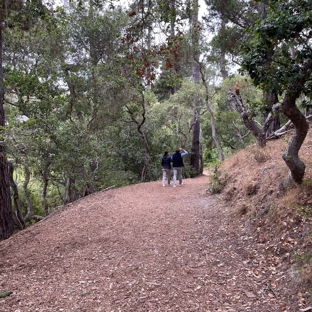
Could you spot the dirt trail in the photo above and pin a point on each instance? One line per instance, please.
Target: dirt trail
(140, 248)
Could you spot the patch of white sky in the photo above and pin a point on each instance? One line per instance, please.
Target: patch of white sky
(126, 3)
(159, 35)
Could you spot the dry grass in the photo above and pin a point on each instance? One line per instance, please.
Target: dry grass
(282, 222)
(253, 176)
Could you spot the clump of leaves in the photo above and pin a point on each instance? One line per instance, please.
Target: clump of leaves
(304, 211)
(219, 180)
(5, 294)
(304, 268)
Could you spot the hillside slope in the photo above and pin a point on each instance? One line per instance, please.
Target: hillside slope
(278, 224)
(151, 248)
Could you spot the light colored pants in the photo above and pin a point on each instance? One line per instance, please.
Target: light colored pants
(177, 173)
(166, 176)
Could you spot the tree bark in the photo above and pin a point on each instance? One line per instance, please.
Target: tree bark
(273, 123)
(6, 216)
(195, 150)
(238, 105)
(290, 156)
(223, 70)
(30, 208)
(89, 188)
(17, 203)
(143, 137)
(176, 65)
(70, 191)
(45, 179)
(289, 109)
(195, 140)
(212, 116)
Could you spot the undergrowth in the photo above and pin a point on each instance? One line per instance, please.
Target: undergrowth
(218, 182)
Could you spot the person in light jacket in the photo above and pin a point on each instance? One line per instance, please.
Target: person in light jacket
(166, 168)
(178, 164)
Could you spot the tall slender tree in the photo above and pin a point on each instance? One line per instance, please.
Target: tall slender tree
(15, 13)
(6, 217)
(195, 150)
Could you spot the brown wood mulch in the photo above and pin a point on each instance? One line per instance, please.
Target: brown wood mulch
(142, 248)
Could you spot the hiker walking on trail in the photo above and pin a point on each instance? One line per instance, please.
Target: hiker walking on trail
(166, 168)
(178, 164)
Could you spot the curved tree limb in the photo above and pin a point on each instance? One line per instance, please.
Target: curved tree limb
(238, 105)
(289, 109)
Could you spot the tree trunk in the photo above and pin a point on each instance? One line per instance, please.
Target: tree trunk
(6, 216)
(143, 137)
(176, 62)
(17, 203)
(195, 150)
(145, 142)
(147, 156)
(289, 109)
(89, 188)
(273, 124)
(30, 208)
(70, 191)
(195, 141)
(290, 156)
(238, 105)
(212, 116)
(223, 70)
(45, 179)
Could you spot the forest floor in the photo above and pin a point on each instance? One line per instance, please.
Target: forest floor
(146, 248)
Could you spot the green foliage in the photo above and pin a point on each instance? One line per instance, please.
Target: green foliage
(6, 294)
(82, 84)
(231, 131)
(219, 180)
(283, 38)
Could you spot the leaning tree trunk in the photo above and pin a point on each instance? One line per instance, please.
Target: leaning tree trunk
(143, 137)
(289, 109)
(237, 104)
(147, 155)
(6, 216)
(290, 156)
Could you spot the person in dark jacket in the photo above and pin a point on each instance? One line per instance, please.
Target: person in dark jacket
(166, 168)
(177, 164)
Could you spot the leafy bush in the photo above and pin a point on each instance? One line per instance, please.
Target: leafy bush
(218, 181)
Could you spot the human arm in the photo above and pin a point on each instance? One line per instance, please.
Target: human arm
(183, 152)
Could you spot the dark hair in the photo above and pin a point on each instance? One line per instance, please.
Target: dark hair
(166, 153)
(178, 150)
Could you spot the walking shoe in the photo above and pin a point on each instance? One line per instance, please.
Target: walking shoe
(174, 186)
(164, 185)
